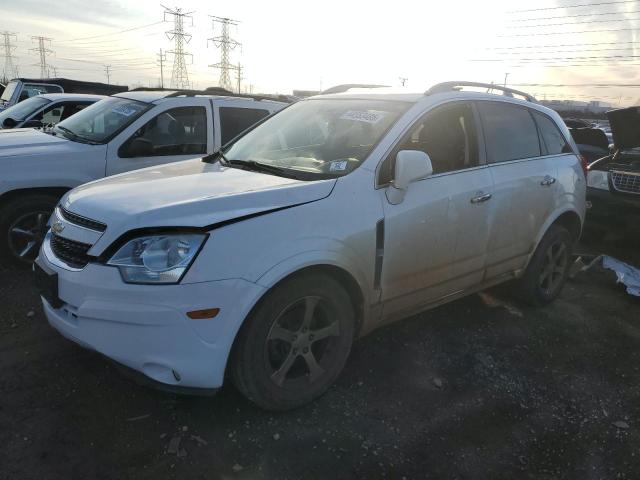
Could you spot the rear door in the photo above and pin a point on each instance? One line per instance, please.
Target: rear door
(525, 182)
(171, 132)
(435, 240)
(236, 117)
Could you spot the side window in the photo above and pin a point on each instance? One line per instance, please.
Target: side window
(31, 90)
(234, 121)
(179, 131)
(510, 132)
(447, 134)
(552, 138)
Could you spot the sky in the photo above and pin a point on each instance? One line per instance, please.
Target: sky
(545, 47)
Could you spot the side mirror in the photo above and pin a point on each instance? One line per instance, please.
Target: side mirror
(411, 165)
(9, 123)
(138, 147)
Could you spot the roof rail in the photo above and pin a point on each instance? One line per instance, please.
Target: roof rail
(347, 86)
(453, 86)
(172, 92)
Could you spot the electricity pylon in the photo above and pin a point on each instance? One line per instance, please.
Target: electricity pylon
(179, 75)
(225, 43)
(10, 70)
(43, 52)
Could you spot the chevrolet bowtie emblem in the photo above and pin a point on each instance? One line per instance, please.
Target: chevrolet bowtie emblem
(57, 227)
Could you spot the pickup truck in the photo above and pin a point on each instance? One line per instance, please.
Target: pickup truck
(20, 89)
(124, 132)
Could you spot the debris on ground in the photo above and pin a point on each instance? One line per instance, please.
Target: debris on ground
(437, 382)
(237, 468)
(621, 424)
(491, 301)
(140, 417)
(198, 439)
(174, 446)
(627, 274)
(30, 313)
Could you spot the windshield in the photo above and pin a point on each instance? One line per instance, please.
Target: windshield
(102, 120)
(8, 91)
(21, 111)
(328, 137)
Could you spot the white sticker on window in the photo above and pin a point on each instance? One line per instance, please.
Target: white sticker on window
(338, 166)
(124, 110)
(363, 116)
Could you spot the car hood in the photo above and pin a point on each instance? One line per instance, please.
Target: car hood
(27, 141)
(190, 193)
(625, 127)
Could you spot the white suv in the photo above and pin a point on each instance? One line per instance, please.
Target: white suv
(339, 214)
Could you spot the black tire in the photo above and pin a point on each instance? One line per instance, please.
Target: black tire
(28, 213)
(273, 355)
(547, 271)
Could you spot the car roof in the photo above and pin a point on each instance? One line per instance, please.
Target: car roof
(151, 96)
(71, 96)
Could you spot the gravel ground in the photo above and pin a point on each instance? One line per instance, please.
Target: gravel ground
(483, 388)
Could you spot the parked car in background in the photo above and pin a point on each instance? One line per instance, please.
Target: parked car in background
(20, 89)
(2, 86)
(263, 262)
(45, 110)
(614, 180)
(124, 132)
(592, 142)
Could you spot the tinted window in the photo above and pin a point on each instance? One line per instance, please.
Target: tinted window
(179, 131)
(510, 132)
(23, 110)
(552, 138)
(447, 134)
(236, 120)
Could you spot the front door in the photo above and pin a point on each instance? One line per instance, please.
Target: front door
(435, 240)
(163, 136)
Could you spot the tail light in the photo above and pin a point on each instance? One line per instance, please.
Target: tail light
(585, 164)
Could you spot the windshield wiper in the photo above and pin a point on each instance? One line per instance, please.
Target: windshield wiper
(216, 156)
(262, 167)
(75, 136)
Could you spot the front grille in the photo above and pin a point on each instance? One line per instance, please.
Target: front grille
(82, 221)
(626, 182)
(70, 252)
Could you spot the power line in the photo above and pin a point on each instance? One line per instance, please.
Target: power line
(574, 16)
(225, 43)
(567, 33)
(113, 33)
(572, 6)
(577, 85)
(543, 59)
(561, 45)
(179, 75)
(574, 23)
(43, 52)
(10, 69)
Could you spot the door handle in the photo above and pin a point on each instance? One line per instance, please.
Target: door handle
(481, 198)
(547, 181)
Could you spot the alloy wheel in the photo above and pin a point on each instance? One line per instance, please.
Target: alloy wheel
(554, 267)
(301, 342)
(26, 234)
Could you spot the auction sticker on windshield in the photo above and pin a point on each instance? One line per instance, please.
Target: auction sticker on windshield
(363, 116)
(126, 110)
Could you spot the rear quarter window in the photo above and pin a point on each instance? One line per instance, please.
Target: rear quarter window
(553, 141)
(510, 132)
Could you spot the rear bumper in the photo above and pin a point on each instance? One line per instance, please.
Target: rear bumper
(145, 327)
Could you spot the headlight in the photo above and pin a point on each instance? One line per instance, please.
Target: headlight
(157, 258)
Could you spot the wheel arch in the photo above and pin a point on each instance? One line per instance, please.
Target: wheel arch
(10, 195)
(567, 218)
(344, 277)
